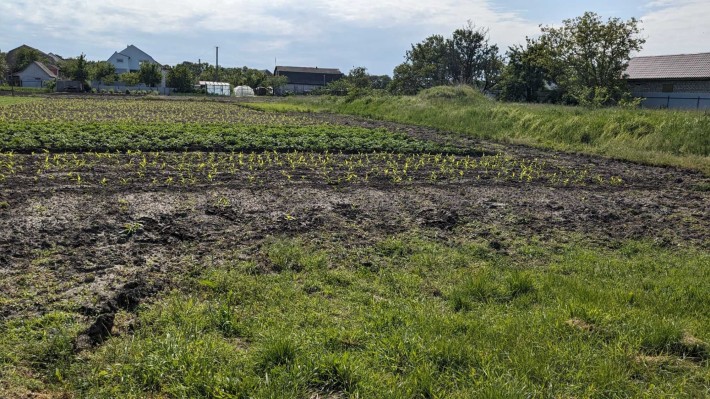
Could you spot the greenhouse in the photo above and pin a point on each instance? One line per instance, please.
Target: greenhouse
(217, 88)
(243, 91)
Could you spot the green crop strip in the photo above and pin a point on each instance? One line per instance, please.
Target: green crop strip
(191, 168)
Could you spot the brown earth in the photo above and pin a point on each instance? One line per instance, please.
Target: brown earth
(96, 250)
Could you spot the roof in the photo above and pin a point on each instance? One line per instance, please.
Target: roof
(320, 71)
(207, 83)
(680, 66)
(45, 69)
(132, 48)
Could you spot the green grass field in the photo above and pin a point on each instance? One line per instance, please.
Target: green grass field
(419, 318)
(659, 137)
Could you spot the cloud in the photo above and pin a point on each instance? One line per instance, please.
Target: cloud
(181, 29)
(674, 27)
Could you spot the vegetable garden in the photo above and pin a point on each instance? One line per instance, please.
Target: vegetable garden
(177, 248)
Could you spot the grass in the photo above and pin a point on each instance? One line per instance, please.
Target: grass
(421, 318)
(6, 100)
(660, 137)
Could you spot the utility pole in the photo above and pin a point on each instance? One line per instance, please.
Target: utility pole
(216, 69)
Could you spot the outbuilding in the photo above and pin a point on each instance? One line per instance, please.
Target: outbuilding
(671, 81)
(243, 91)
(302, 80)
(215, 88)
(35, 75)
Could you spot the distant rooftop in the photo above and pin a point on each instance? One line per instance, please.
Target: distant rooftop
(680, 66)
(323, 71)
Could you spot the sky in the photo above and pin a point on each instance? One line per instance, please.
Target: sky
(326, 33)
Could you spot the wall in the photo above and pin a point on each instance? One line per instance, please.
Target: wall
(297, 89)
(121, 88)
(679, 86)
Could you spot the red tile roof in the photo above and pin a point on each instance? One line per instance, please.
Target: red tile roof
(680, 66)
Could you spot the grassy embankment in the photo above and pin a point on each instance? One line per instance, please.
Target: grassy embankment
(658, 137)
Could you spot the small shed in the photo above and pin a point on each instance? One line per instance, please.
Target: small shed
(215, 88)
(243, 91)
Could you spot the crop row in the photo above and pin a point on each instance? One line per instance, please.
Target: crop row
(26, 136)
(191, 168)
(132, 110)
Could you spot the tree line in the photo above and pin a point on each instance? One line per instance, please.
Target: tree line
(581, 62)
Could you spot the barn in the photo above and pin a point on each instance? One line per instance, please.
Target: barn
(671, 81)
(302, 80)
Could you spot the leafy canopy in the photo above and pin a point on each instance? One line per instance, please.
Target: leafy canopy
(586, 57)
(466, 58)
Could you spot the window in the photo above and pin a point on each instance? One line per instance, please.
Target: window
(119, 59)
(667, 88)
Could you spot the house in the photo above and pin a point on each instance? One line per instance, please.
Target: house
(671, 81)
(50, 60)
(35, 75)
(303, 80)
(130, 59)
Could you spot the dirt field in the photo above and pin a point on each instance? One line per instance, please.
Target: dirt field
(95, 249)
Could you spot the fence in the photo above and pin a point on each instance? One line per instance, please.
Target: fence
(121, 88)
(32, 84)
(699, 101)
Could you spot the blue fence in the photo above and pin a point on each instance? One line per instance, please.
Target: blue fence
(699, 101)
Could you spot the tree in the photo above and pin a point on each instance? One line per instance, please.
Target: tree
(24, 57)
(3, 66)
(150, 74)
(587, 57)
(181, 78)
(102, 71)
(379, 82)
(525, 74)
(76, 68)
(358, 78)
(275, 82)
(472, 60)
(130, 78)
(464, 58)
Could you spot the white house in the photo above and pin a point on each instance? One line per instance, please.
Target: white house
(130, 59)
(35, 75)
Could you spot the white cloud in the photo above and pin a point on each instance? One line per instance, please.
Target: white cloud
(674, 27)
(117, 18)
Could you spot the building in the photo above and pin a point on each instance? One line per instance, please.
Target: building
(302, 80)
(671, 81)
(130, 59)
(35, 75)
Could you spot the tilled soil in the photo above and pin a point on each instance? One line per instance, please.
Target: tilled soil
(94, 250)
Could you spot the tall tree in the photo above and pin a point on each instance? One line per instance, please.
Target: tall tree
(525, 74)
(472, 60)
(76, 68)
(150, 74)
(181, 78)
(587, 57)
(466, 57)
